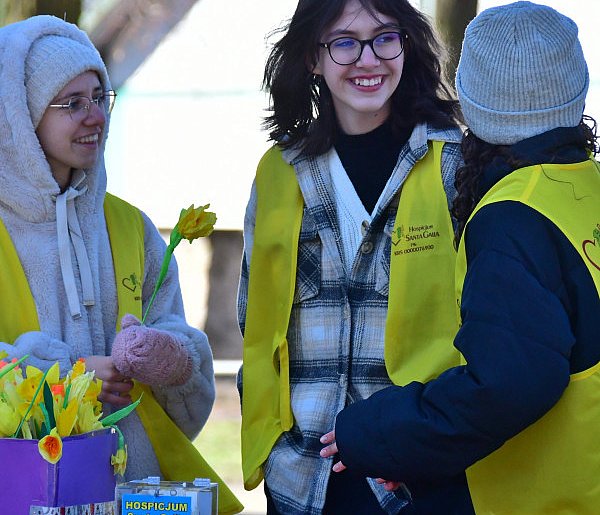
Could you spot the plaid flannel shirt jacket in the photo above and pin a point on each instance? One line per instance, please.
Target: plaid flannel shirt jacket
(337, 324)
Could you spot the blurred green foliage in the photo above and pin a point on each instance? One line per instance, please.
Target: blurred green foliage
(15, 10)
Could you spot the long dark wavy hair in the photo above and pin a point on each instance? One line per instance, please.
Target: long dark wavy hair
(478, 154)
(301, 103)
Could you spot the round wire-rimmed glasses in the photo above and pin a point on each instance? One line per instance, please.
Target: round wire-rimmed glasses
(79, 106)
(347, 50)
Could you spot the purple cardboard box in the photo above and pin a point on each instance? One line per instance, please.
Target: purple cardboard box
(83, 475)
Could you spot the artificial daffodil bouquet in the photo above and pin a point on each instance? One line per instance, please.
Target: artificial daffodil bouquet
(193, 223)
(41, 406)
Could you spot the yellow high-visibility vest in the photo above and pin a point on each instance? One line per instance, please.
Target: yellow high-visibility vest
(421, 322)
(177, 457)
(553, 466)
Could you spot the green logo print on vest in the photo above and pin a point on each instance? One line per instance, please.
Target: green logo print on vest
(419, 238)
(397, 235)
(131, 283)
(591, 248)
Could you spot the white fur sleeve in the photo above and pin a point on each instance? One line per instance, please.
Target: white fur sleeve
(43, 351)
(190, 404)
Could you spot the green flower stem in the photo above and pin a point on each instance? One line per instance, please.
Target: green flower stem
(121, 443)
(113, 418)
(174, 241)
(31, 403)
(7, 368)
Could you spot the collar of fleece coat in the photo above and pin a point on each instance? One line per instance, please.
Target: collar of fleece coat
(27, 188)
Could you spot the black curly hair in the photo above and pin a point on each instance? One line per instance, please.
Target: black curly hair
(478, 154)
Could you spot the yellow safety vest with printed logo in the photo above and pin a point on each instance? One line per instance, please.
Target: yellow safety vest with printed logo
(421, 322)
(553, 466)
(178, 458)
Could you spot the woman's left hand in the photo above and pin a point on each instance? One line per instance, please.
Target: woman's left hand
(331, 450)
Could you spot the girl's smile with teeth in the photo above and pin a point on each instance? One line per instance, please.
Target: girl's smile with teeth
(93, 138)
(374, 81)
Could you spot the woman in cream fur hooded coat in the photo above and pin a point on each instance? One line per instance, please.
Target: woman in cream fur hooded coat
(55, 220)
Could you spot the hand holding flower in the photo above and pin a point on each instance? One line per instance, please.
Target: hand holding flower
(150, 355)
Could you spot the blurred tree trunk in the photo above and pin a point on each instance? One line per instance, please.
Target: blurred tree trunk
(221, 320)
(15, 10)
(452, 17)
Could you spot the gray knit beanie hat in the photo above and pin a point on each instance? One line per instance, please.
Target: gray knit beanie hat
(54, 61)
(521, 73)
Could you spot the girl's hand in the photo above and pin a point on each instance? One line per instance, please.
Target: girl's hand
(149, 355)
(115, 386)
(331, 450)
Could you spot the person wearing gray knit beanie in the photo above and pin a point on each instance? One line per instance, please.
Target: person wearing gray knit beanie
(53, 61)
(82, 263)
(521, 72)
(513, 428)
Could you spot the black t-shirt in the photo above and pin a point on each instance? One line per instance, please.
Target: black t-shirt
(369, 160)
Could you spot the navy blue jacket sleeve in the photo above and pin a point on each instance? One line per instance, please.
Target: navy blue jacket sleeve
(517, 339)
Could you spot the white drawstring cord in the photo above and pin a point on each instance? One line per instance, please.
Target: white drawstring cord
(69, 231)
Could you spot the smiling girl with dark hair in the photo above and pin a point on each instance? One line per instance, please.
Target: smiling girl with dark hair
(302, 109)
(350, 204)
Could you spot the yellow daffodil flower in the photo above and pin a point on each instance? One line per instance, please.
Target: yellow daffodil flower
(195, 222)
(10, 375)
(78, 368)
(9, 420)
(93, 390)
(79, 386)
(33, 372)
(27, 389)
(52, 377)
(66, 418)
(11, 395)
(87, 419)
(51, 447)
(119, 460)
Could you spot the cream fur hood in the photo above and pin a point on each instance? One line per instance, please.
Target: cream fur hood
(26, 182)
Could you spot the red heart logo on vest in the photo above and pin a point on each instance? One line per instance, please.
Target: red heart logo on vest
(583, 246)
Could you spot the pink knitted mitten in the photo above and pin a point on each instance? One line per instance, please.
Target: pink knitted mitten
(151, 356)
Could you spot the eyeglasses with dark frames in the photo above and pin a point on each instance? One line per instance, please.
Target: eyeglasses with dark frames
(79, 106)
(347, 50)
